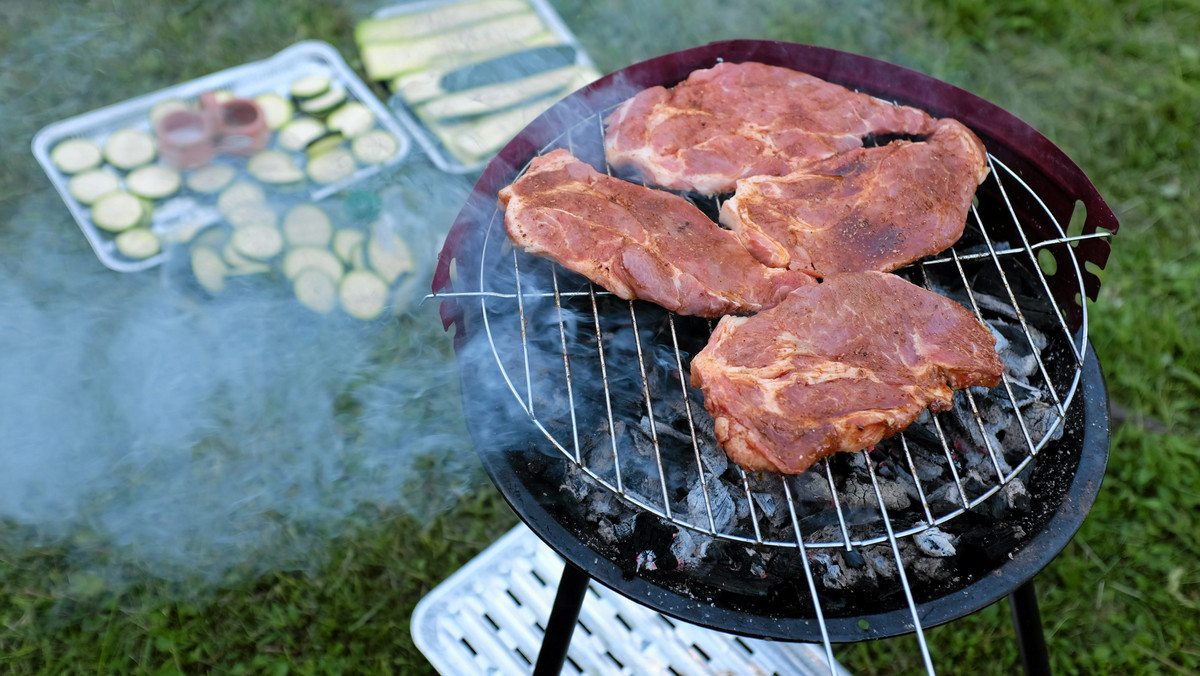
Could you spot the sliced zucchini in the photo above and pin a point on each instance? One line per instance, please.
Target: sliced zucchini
(348, 245)
(258, 241)
(316, 290)
(223, 96)
(332, 166)
(129, 148)
(310, 86)
(239, 194)
(352, 119)
(301, 258)
(91, 185)
(471, 142)
(325, 103)
(274, 166)
(298, 133)
(375, 147)
(165, 107)
(386, 60)
(119, 211)
(240, 264)
(307, 225)
(277, 111)
(420, 24)
(389, 256)
(252, 216)
(491, 98)
(363, 294)
(153, 181)
(324, 144)
(509, 67)
(75, 155)
(209, 269)
(138, 243)
(211, 178)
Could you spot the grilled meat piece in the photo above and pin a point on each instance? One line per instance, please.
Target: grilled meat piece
(866, 209)
(637, 242)
(837, 367)
(745, 119)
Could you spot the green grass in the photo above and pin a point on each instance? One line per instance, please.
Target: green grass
(1116, 85)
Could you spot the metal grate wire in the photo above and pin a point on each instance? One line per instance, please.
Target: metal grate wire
(498, 293)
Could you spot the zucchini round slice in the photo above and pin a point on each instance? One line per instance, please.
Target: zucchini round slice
(208, 268)
(363, 294)
(276, 110)
(119, 211)
(165, 107)
(332, 166)
(324, 144)
(375, 147)
(153, 181)
(297, 134)
(91, 185)
(138, 243)
(348, 245)
(353, 119)
(211, 178)
(307, 225)
(251, 216)
(310, 86)
(274, 166)
(325, 103)
(390, 257)
(239, 264)
(129, 148)
(316, 290)
(300, 258)
(239, 194)
(258, 241)
(75, 155)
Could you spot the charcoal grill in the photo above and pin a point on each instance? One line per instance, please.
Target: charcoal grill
(583, 418)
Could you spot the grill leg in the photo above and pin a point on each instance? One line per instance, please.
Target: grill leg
(563, 615)
(1031, 642)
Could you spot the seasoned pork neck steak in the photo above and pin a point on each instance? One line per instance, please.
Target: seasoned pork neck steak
(866, 209)
(837, 367)
(745, 119)
(637, 242)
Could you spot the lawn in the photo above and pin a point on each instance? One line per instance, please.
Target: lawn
(118, 554)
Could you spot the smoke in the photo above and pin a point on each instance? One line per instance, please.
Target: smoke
(191, 436)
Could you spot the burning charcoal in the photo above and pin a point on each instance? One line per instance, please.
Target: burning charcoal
(945, 499)
(690, 548)
(991, 543)
(719, 500)
(934, 542)
(929, 570)
(881, 561)
(1012, 500)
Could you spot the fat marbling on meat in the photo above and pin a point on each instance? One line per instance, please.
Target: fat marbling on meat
(637, 242)
(745, 119)
(837, 366)
(866, 209)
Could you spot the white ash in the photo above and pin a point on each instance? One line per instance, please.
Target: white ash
(935, 542)
(724, 511)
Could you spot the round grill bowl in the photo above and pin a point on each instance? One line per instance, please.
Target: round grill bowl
(523, 461)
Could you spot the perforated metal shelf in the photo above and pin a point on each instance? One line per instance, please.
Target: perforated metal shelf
(489, 618)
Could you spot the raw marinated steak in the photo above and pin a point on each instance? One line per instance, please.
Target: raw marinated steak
(745, 119)
(866, 209)
(637, 242)
(837, 367)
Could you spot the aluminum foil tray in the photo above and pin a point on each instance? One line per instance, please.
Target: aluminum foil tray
(488, 618)
(432, 135)
(186, 211)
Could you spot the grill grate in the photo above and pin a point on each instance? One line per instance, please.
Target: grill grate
(529, 292)
(489, 617)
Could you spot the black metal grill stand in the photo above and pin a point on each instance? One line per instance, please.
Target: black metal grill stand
(572, 589)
